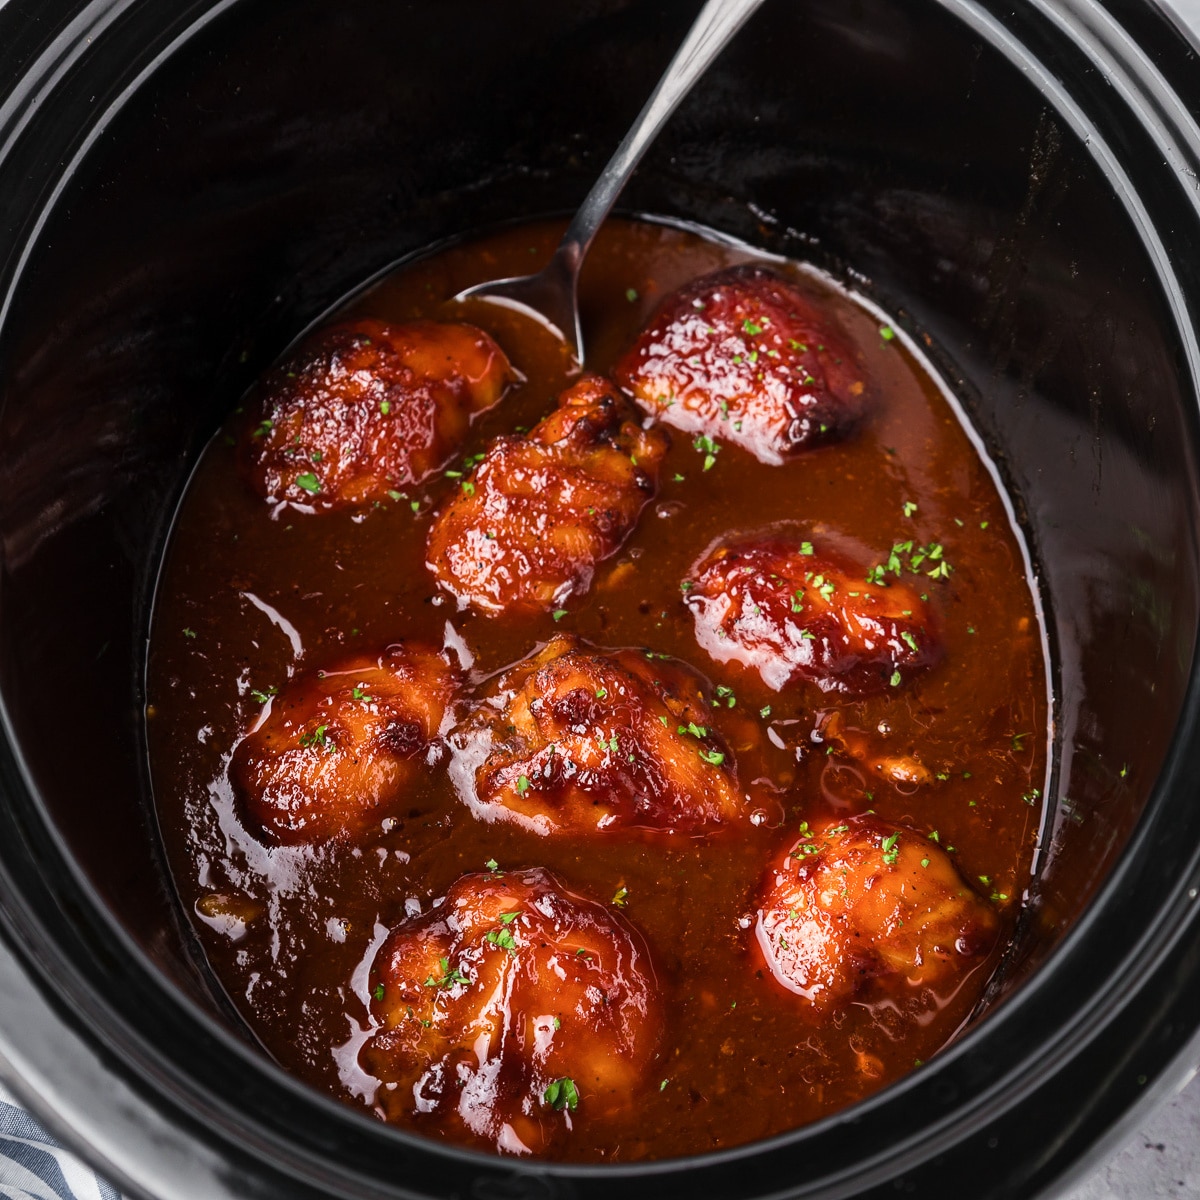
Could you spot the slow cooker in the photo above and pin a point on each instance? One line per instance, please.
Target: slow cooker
(186, 186)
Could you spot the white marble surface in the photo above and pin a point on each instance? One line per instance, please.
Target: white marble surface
(1161, 1160)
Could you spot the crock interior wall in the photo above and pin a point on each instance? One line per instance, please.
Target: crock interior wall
(285, 153)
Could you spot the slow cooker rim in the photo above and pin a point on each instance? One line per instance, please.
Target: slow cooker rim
(1023, 998)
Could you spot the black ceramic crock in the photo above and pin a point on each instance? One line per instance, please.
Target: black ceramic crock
(187, 184)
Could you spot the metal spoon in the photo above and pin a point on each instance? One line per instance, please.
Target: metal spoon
(551, 296)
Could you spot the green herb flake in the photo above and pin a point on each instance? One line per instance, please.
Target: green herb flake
(502, 938)
(378, 992)
(522, 785)
(621, 896)
(309, 482)
(562, 1093)
(385, 407)
(631, 295)
(712, 757)
(806, 548)
(765, 711)
(891, 848)
(318, 737)
(508, 918)
(895, 679)
(448, 977)
(559, 613)
(753, 328)
(886, 332)
(709, 448)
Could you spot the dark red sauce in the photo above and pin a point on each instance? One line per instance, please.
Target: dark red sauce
(723, 986)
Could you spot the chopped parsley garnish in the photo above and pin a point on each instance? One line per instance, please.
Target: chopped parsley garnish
(522, 785)
(1032, 796)
(359, 694)
(493, 866)
(765, 711)
(263, 697)
(508, 918)
(602, 693)
(631, 295)
(909, 640)
(709, 448)
(378, 992)
(559, 613)
(468, 487)
(502, 938)
(316, 738)
(663, 1086)
(753, 328)
(621, 896)
(891, 850)
(562, 1093)
(309, 482)
(697, 731)
(886, 332)
(909, 508)
(713, 757)
(385, 407)
(448, 977)
(189, 633)
(806, 547)
(895, 679)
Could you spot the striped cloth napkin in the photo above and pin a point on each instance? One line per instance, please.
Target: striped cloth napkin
(34, 1167)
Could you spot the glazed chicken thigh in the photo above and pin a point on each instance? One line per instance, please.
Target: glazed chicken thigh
(331, 754)
(512, 1004)
(366, 408)
(742, 356)
(527, 529)
(578, 740)
(864, 900)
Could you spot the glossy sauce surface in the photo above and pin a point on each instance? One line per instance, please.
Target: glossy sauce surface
(253, 594)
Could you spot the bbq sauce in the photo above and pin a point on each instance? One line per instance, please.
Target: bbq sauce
(252, 594)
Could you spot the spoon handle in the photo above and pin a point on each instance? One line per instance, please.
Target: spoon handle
(712, 30)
